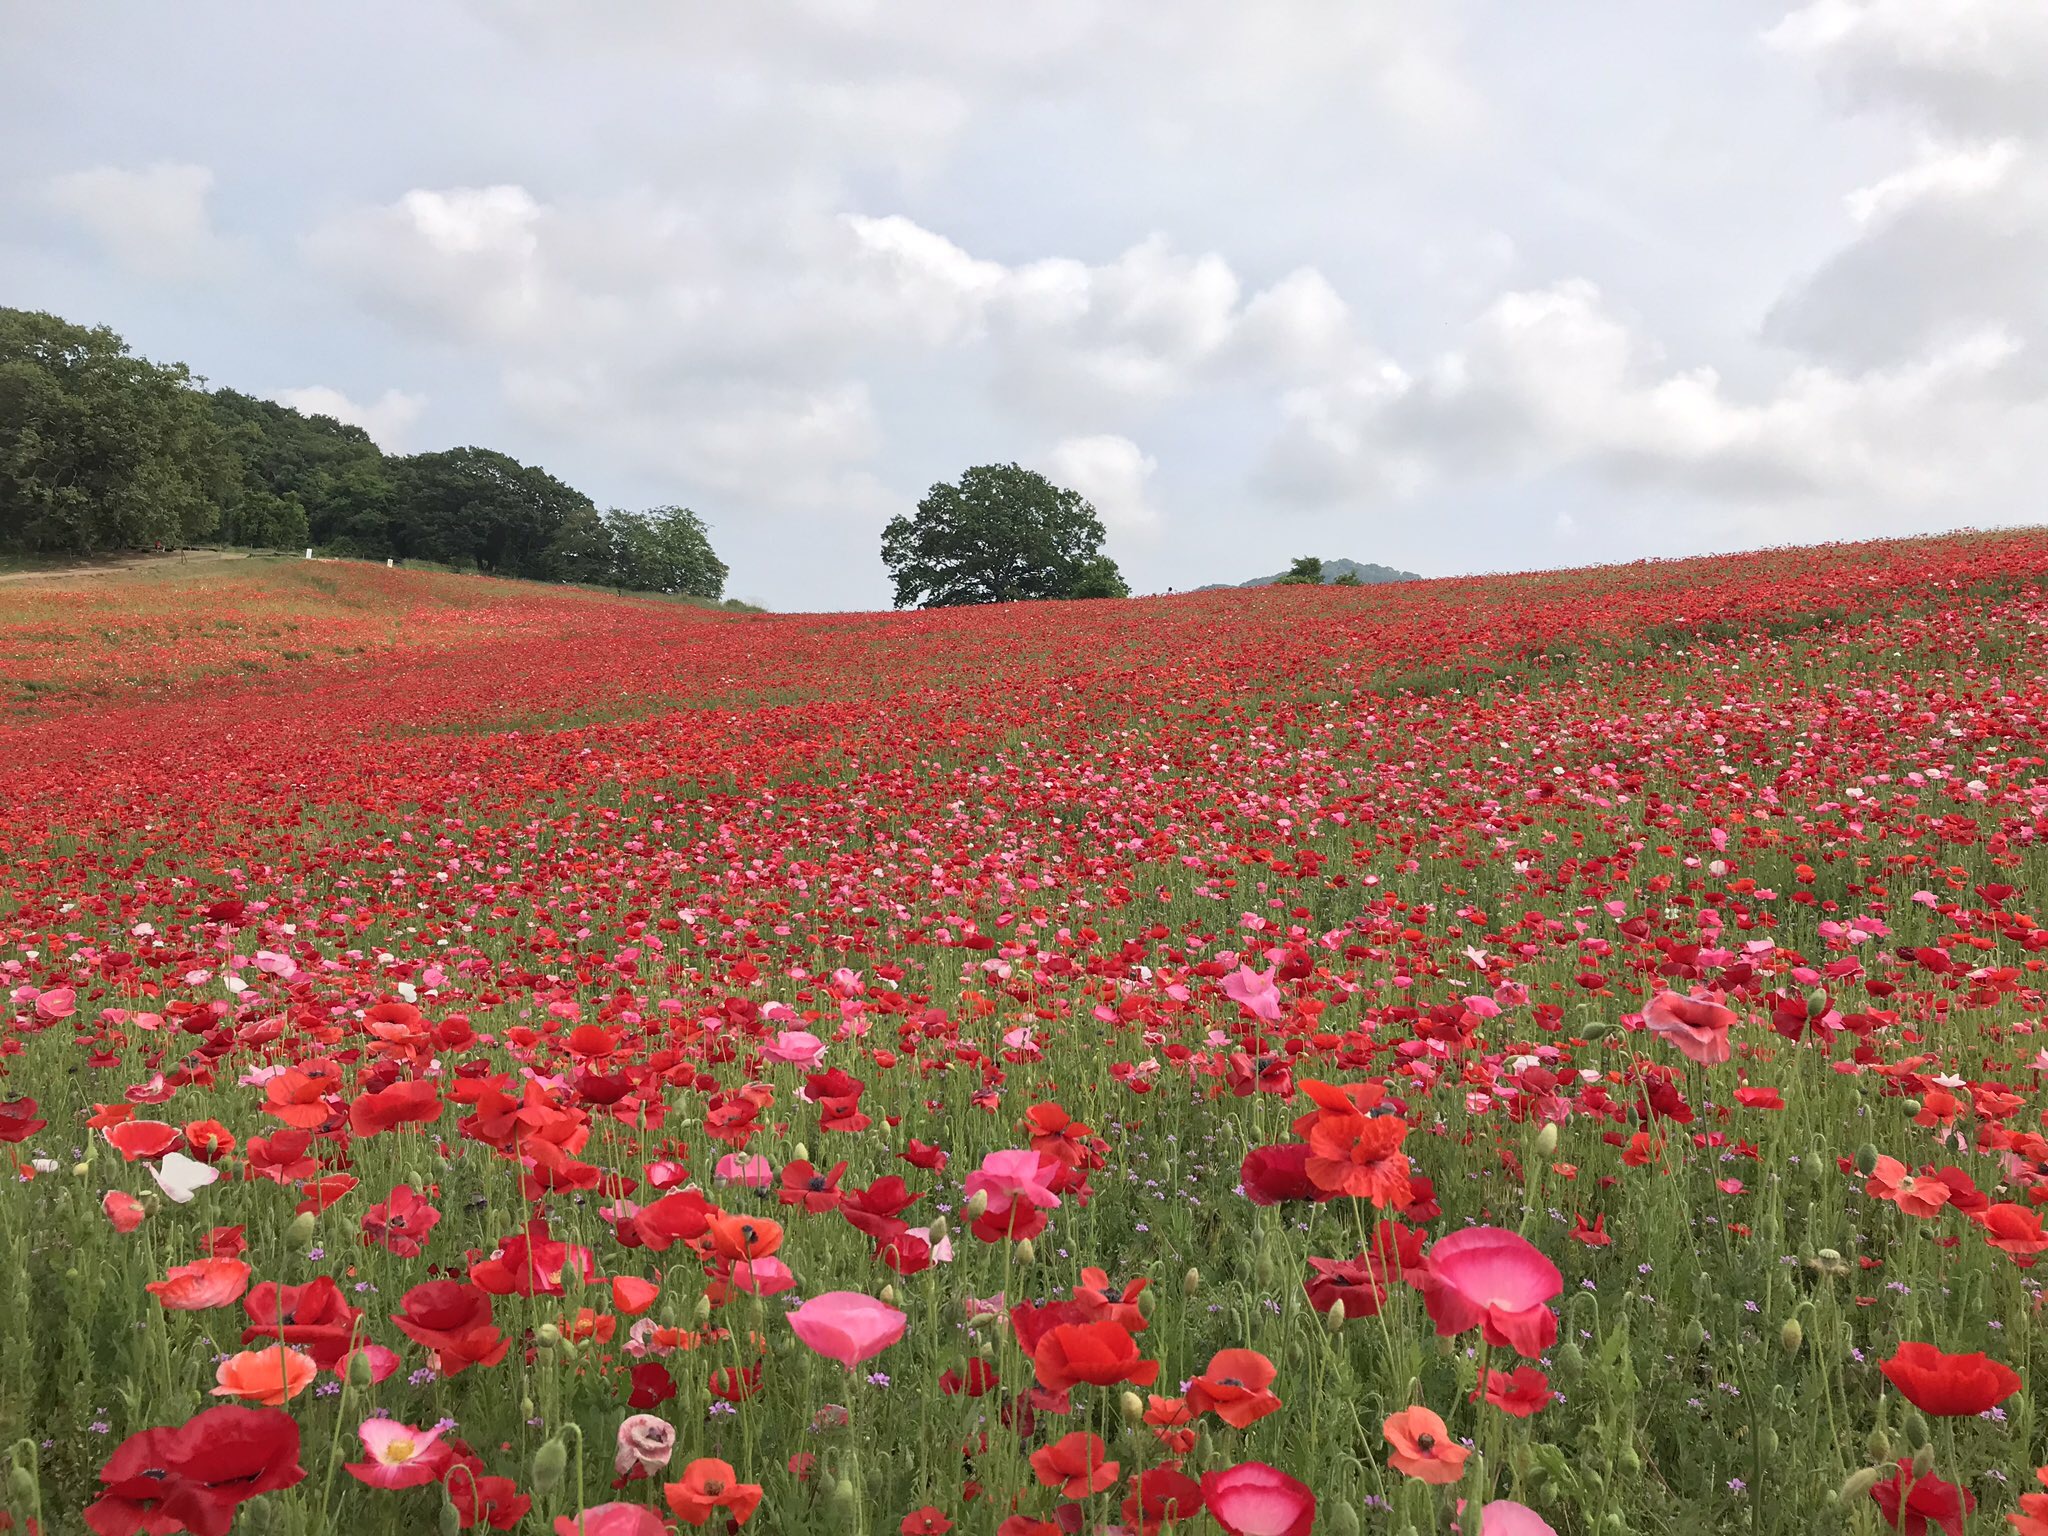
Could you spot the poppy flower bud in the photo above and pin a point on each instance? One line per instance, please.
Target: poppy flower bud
(1629, 1460)
(299, 1235)
(1877, 1445)
(1334, 1318)
(1866, 1159)
(1915, 1429)
(1911, 1106)
(888, 1295)
(1694, 1336)
(1791, 1336)
(526, 1407)
(548, 1334)
(1146, 1304)
(1816, 1002)
(1769, 1441)
(22, 1488)
(1923, 1460)
(360, 1372)
(703, 1309)
(1027, 1253)
(1571, 1360)
(549, 1463)
(1132, 1407)
(81, 1170)
(1857, 1485)
(939, 1229)
(1546, 1139)
(977, 1205)
(1343, 1519)
(451, 1518)
(1192, 1283)
(800, 1153)
(843, 1494)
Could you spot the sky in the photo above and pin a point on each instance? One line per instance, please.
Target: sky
(1453, 287)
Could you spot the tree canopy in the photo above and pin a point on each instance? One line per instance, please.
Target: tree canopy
(101, 450)
(1003, 534)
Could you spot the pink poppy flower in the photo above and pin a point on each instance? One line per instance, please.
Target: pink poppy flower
(399, 1455)
(1007, 1177)
(611, 1520)
(1254, 991)
(1504, 1517)
(1257, 1500)
(1698, 1028)
(796, 1048)
(1494, 1280)
(749, 1170)
(57, 1003)
(847, 1326)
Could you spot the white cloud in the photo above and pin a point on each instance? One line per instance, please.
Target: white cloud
(1114, 473)
(387, 419)
(154, 221)
(1557, 379)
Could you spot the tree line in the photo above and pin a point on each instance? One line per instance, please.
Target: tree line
(104, 451)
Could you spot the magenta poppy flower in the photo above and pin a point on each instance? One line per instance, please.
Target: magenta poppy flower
(1254, 991)
(847, 1326)
(1007, 1177)
(1257, 1500)
(1494, 1280)
(611, 1520)
(749, 1170)
(1504, 1517)
(1698, 1028)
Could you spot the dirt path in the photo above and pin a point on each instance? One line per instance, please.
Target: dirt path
(128, 563)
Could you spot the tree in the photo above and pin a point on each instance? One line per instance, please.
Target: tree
(666, 550)
(1305, 572)
(1003, 534)
(470, 506)
(335, 472)
(100, 449)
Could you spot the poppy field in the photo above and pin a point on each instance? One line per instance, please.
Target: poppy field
(1541, 1054)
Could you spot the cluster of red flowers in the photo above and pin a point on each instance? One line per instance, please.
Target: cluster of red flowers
(594, 1026)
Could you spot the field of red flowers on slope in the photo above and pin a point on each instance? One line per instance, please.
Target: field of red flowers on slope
(1550, 1053)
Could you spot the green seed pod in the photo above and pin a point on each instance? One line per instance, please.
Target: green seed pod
(549, 1463)
(299, 1235)
(1546, 1139)
(1791, 1336)
(1857, 1485)
(1866, 1159)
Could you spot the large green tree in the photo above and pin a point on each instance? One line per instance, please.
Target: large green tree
(470, 506)
(100, 449)
(335, 474)
(667, 550)
(1003, 534)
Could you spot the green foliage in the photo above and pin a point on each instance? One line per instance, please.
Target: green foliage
(1305, 572)
(100, 449)
(665, 550)
(1003, 534)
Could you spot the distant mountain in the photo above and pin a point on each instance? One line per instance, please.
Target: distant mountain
(1368, 575)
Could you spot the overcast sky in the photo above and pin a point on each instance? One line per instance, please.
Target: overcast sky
(1455, 286)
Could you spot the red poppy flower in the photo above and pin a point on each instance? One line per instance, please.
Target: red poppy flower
(1524, 1392)
(453, 1319)
(408, 1103)
(1077, 1464)
(1949, 1386)
(195, 1476)
(314, 1317)
(196, 1287)
(18, 1121)
(803, 1185)
(709, 1484)
(1234, 1388)
(1278, 1174)
(1163, 1495)
(1911, 1504)
(1094, 1354)
(925, 1522)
